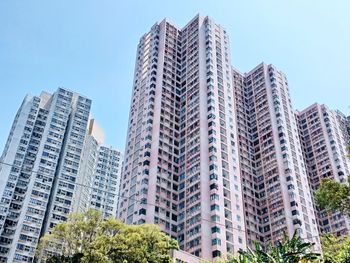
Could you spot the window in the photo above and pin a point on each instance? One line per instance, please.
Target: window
(142, 211)
(216, 253)
(215, 207)
(214, 197)
(215, 218)
(215, 241)
(215, 229)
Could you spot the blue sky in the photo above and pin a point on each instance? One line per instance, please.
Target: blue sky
(89, 47)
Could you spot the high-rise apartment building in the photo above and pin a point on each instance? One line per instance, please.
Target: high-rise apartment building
(324, 146)
(344, 122)
(87, 168)
(277, 197)
(104, 166)
(39, 168)
(181, 167)
(99, 174)
(106, 179)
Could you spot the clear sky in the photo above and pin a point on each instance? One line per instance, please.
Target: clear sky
(90, 46)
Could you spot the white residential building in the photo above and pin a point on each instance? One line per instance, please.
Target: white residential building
(106, 176)
(39, 168)
(99, 174)
(344, 122)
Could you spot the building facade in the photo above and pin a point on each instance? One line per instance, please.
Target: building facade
(38, 169)
(344, 122)
(277, 197)
(324, 146)
(87, 168)
(180, 256)
(99, 174)
(181, 167)
(106, 181)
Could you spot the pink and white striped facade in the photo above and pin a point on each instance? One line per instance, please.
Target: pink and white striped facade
(213, 156)
(181, 166)
(274, 179)
(324, 146)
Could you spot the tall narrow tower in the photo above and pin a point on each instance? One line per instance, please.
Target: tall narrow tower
(98, 175)
(181, 166)
(276, 192)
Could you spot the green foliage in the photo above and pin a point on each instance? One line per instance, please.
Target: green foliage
(87, 237)
(136, 243)
(334, 196)
(292, 250)
(344, 256)
(331, 248)
(335, 249)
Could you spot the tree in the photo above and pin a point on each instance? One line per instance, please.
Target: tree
(335, 249)
(69, 239)
(87, 237)
(331, 247)
(344, 256)
(250, 256)
(136, 243)
(334, 196)
(292, 250)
